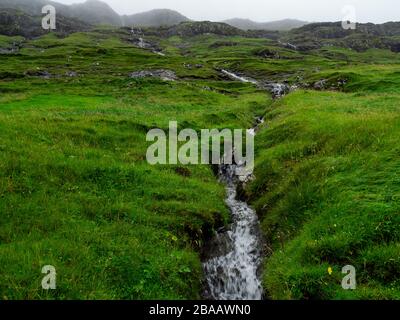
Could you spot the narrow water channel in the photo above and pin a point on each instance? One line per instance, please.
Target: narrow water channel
(232, 273)
(234, 257)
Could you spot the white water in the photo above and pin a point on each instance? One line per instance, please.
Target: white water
(236, 77)
(232, 270)
(141, 43)
(234, 274)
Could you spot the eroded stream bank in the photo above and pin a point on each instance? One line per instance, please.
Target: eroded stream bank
(233, 258)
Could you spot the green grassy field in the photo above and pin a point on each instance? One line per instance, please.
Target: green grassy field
(328, 189)
(76, 191)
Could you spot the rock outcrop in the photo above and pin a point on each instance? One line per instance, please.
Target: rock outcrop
(166, 75)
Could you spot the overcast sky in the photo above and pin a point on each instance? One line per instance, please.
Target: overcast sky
(377, 11)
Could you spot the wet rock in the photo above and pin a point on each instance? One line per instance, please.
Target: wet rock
(320, 85)
(288, 45)
(294, 87)
(11, 48)
(144, 44)
(6, 51)
(277, 89)
(139, 41)
(71, 74)
(39, 73)
(218, 246)
(166, 75)
(341, 83)
(191, 66)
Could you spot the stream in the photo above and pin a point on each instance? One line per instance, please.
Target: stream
(233, 258)
(232, 272)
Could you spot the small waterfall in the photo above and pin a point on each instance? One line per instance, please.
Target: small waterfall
(234, 256)
(232, 271)
(236, 77)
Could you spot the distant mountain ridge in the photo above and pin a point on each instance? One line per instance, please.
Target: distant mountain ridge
(22, 17)
(97, 12)
(90, 12)
(280, 25)
(14, 22)
(154, 18)
(364, 37)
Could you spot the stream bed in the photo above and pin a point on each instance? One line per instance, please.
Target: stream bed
(233, 268)
(233, 258)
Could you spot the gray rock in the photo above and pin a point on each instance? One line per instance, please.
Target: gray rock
(40, 73)
(166, 75)
(71, 74)
(320, 85)
(277, 90)
(191, 66)
(220, 245)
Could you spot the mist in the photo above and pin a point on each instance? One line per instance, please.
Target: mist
(377, 11)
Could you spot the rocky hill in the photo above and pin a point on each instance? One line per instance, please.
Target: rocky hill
(154, 18)
(97, 12)
(365, 36)
(17, 23)
(280, 25)
(89, 12)
(195, 28)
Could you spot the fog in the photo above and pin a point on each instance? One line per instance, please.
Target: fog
(377, 11)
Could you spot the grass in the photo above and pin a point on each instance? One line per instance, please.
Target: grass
(76, 191)
(327, 189)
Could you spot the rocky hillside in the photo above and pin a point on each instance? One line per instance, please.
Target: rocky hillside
(32, 7)
(17, 23)
(98, 12)
(155, 18)
(89, 12)
(281, 25)
(95, 12)
(334, 30)
(365, 36)
(195, 28)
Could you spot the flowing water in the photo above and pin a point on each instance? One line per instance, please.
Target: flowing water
(234, 256)
(232, 274)
(240, 78)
